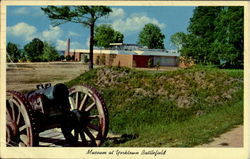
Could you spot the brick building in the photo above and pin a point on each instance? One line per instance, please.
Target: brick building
(130, 55)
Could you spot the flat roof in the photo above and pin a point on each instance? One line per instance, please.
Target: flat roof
(146, 52)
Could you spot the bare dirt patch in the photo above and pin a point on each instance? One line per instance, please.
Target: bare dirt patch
(232, 138)
(25, 76)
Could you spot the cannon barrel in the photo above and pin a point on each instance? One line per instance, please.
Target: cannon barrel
(50, 100)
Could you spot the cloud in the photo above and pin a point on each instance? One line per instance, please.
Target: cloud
(21, 11)
(22, 30)
(131, 23)
(31, 11)
(52, 34)
(73, 34)
(76, 45)
(61, 45)
(87, 43)
(135, 23)
(117, 13)
(27, 32)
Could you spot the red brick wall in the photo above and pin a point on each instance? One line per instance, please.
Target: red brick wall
(140, 61)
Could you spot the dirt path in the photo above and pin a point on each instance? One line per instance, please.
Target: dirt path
(232, 138)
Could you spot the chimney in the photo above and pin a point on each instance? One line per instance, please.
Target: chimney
(67, 50)
(68, 45)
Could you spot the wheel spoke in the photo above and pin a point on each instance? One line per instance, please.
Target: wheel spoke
(83, 137)
(21, 144)
(83, 101)
(8, 114)
(18, 120)
(24, 139)
(12, 143)
(76, 134)
(23, 127)
(90, 135)
(94, 127)
(18, 117)
(91, 106)
(72, 103)
(77, 99)
(93, 116)
(12, 109)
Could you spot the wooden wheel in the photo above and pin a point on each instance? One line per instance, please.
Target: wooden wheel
(89, 118)
(20, 125)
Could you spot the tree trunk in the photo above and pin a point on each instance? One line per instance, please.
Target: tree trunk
(91, 46)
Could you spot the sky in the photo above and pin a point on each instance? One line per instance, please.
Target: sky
(25, 23)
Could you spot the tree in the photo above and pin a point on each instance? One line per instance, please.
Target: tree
(105, 34)
(34, 50)
(201, 33)
(49, 52)
(85, 15)
(215, 36)
(151, 37)
(229, 33)
(118, 37)
(13, 52)
(178, 39)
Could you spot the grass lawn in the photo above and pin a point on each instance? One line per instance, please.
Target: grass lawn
(178, 108)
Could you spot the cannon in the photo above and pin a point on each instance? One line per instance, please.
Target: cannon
(79, 112)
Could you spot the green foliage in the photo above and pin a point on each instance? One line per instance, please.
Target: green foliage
(34, 50)
(68, 58)
(178, 39)
(84, 15)
(13, 52)
(202, 28)
(165, 108)
(150, 62)
(152, 37)
(215, 36)
(49, 53)
(118, 37)
(105, 34)
(85, 59)
(189, 133)
(158, 65)
(62, 57)
(97, 60)
(229, 44)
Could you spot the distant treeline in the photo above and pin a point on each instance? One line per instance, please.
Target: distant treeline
(34, 51)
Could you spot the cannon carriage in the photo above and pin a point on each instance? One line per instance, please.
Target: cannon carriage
(79, 112)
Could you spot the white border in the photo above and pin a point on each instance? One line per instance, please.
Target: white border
(172, 153)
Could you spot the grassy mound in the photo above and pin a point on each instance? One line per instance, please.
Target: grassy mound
(184, 107)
